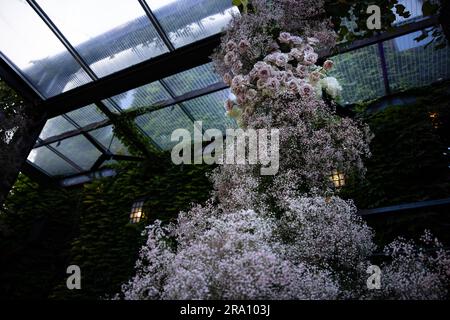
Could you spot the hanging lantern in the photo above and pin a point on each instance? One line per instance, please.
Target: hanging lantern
(137, 212)
(338, 179)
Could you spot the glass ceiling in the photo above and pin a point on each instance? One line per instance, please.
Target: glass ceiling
(111, 35)
(108, 35)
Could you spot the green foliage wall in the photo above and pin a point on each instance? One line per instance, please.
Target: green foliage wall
(88, 227)
(37, 225)
(107, 247)
(410, 159)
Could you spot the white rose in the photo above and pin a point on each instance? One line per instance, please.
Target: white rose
(332, 87)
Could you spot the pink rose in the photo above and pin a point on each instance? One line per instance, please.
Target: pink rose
(311, 58)
(236, 67)
(272, 58)
(287, 76)
(251, 94)
(293, 86)
(306, 90)
(237, 82)
(328, 65)
(230, 58)
(244, 45)
(261, 84)
(302, 71)
(281, 60)
(296, 40)
(227, 79)
(280, 75)
(314, 77)
(308, 48)
(285, 37)
(296, 54)
(273, 84)
(231, 45)
(229, 105)
(264, 72)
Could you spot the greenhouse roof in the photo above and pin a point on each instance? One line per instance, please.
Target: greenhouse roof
(82, 64)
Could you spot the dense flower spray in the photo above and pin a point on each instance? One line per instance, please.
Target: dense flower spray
(287, 236)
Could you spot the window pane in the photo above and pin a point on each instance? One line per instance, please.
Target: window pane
(50, 162)
(79, 150)
(160, 124)
(109, 34)
(193, 79)
(106, 137)
(87, 115)
(186, 21)
(144, 96)
(414, 7)
(360, 75)
(411, 65)
(56, 126)
(35, 50)
(210, 110)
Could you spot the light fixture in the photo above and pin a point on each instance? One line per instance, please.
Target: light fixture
(434, 116)
(338, 178)
(137, 212)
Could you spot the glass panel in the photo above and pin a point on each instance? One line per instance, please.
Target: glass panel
(414, 7)
(411, 65)
(186, 21)
(35, 50)
(50, 162)
(109, 34)
(210, 110)
(193, 79)
(144, 96)
(360, 75)
(87, 115)
(79, 150)
(56, 126)
(106, 137)
(160, 124)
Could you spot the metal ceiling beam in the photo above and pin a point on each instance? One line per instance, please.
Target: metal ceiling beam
(66, 159)
(219, 86)
(388, 35)
(73, 133)
(384, 68)
(182, 106)
(405, 207)
(181, 59)
(104, 123)
(154, 21)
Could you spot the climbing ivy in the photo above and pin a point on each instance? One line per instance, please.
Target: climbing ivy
(108, 243)
(410, 160)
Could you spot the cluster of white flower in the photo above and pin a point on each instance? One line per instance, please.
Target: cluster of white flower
(226, 255)
(293, 72)
(282, 237)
